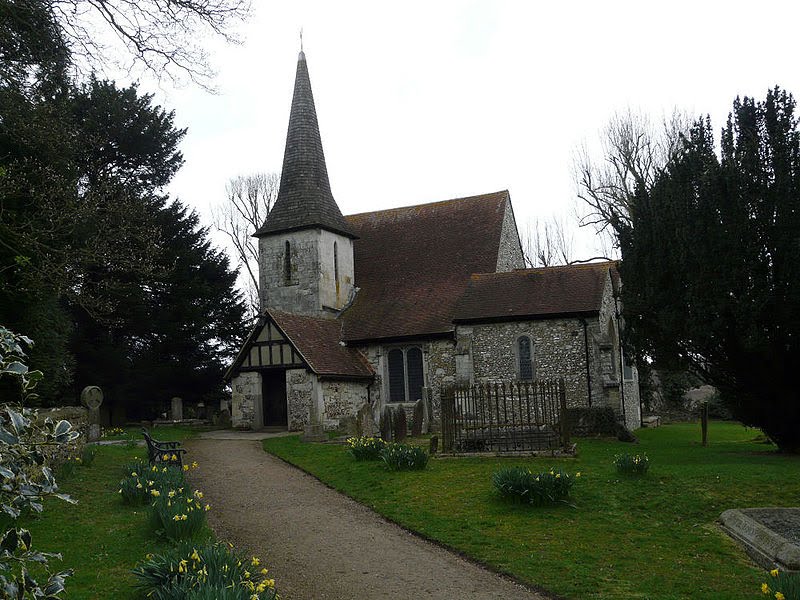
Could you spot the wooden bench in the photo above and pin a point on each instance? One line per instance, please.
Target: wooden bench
(157, 451)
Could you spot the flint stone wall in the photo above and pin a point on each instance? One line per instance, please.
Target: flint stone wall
(558, 351)
(343, 399)
(245, 400)
(509, 256)
(299, 393)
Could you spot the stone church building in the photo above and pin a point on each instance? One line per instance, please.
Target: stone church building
(369, 309)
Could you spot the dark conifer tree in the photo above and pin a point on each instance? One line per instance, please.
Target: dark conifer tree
(711, 264)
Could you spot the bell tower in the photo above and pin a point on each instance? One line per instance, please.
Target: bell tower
(305, 244)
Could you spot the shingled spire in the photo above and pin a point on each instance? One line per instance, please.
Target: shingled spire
(304, 198)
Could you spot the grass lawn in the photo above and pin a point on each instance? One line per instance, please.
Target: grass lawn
(100, 537)
(654, 537)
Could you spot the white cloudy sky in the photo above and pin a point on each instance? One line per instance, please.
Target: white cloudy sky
(424, 101)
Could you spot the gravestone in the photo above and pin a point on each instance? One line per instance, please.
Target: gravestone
(365, 421)
(400, 429)
(771, 536)
(176, 412)
(427, 417)
(92, 398)
(314, 432)
(434, 448)
(418, 418)
(386, 424)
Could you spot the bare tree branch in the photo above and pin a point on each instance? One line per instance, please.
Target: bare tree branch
(161, 36)
(249, 199)
(634, 153)
(548, 243)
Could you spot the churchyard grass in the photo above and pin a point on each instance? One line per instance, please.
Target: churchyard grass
(654, 536)
(100, 537)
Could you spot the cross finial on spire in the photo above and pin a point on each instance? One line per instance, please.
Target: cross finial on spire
(301, 39)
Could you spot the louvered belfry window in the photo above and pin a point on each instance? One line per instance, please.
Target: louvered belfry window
(397, 376)
(287, 263)
(525, 358)
(406, 374)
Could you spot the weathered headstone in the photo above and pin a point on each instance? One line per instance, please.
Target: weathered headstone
(176, 412)
(314, 431)
(427, 426)
(92, 398)
(434, 444)
(418, 418)
(386, 423)
(365, 421)
(400, 429)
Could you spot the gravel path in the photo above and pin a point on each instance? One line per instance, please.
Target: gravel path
(319, 544)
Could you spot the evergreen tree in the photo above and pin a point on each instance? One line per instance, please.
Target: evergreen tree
(711, 264)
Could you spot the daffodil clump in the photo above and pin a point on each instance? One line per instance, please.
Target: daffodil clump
(204, 572)
(179, 514)
(112, 432)
(632, 464)
(523, 485)
(403, 457)
(141, 480)
(782, 585)
(365, 448)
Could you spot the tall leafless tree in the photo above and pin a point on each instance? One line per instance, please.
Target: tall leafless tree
(634, 153)
(249, 199)
(548, 242)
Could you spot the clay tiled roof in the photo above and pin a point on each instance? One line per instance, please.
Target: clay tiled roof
(534, 293)
(318, 342)
(412, 264)
(304, 198)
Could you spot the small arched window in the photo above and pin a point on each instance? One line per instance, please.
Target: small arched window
(287, 263)
(336, 263)
(525, 358)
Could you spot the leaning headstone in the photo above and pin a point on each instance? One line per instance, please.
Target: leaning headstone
(92, 398)
(400, 428)
(419, 416)
(427, 426)
(386, 424)
(176, 414)
(365, 420)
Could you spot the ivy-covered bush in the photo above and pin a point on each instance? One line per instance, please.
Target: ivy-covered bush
(365, 448)
(403, 457)
(632, 464)
(25, 444)
(782, 585)
(522, 485)
(203, 572)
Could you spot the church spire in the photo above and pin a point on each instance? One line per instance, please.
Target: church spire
(304, 198)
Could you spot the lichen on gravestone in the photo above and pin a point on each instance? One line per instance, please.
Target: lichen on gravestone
(418, 418)
(386, 424)
(400, 425)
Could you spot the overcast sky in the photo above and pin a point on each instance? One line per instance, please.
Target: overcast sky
(425, 101)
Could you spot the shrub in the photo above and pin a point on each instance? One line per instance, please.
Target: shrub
(522, 485)
(204, 572)
(366, 448)
(782, 585)
(632, 464)
(26, 469)
(402, 457)
(178, 514)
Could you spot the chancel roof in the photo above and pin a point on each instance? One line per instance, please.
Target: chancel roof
(412, 264)
(535, 293)
(304, 198)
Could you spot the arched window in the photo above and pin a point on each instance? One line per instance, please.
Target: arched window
(415, 375)
(397, 376)
(406, 374)
(525, 358)
(287, 263)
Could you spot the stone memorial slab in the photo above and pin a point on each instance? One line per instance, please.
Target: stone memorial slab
(92, 398)
(771, 536)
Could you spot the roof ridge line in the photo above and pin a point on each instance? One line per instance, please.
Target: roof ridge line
(398, 208)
